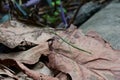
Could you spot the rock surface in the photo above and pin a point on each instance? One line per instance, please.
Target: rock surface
(86, 11)
(106, 23)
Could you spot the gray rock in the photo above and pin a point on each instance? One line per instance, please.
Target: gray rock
(86, 11)
(107, 24)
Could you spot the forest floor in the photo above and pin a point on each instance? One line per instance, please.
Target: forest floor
(87, 49)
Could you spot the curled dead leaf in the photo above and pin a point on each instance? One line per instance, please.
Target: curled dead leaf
(33, 74)
(102, 64)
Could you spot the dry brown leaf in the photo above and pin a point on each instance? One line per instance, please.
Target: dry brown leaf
(25, 34)
(32, 74)
(102, 64)
(12, 36)
(64, 64)
(30, 56)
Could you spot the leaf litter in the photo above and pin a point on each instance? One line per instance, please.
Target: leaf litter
(32, 53)
(62, 61)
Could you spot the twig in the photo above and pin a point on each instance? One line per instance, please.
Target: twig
(74, 17)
